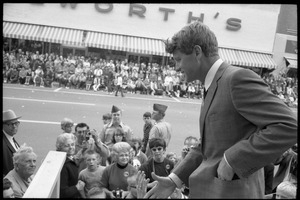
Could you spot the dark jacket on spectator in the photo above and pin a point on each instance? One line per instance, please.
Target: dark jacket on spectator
(68, 180)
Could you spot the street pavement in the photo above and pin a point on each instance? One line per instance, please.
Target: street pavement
(42, 109)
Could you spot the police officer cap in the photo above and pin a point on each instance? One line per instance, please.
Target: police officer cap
(115, 109)
(160, 108)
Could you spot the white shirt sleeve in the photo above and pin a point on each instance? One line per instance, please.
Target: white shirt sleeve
(176, 180)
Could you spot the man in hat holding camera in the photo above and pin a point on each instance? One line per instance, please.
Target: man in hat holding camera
(10, 145)
(161, 128)
(106, 133)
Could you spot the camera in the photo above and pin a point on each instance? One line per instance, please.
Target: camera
(118, 194)
(87, 135)
(187, 149)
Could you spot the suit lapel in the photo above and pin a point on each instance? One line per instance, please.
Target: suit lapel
(209, 97)
(11, 148)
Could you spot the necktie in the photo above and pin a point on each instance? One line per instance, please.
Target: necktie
(16, 144)
(205, 92)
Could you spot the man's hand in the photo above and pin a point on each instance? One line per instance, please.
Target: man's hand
(163, 189)
(225, 172)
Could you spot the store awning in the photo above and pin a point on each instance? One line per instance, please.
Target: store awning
(125, 43)
(42, 33)
(20, 31)
(61, 36)
(105, 41)
(293, 63)
(247, 58)
(146, 46)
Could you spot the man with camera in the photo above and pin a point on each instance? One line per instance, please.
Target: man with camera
(88, 139)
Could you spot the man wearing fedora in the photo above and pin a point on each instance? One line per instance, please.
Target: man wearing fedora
(10, 145)
(161, 128)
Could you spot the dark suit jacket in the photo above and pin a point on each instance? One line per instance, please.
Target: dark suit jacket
(8, 151)
(242, 118)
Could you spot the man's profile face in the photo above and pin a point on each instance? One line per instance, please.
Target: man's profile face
(188, 64)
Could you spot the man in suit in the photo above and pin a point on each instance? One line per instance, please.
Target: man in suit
(243, 125)
(10, 145)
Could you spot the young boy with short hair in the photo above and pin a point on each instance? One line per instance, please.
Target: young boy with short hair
(92, 174)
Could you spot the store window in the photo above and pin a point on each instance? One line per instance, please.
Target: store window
(133, 58)
(97, 52)
(118, 55)
(67, 51)
(46, 47)
(55, 48)
(5, 44)
(79, 52)
(14, 44)
(157, 59)
(34, 46)
(144, 59)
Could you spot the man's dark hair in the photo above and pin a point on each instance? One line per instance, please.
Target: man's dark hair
(81, 125)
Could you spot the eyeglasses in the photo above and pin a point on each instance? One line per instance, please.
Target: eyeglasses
(13, 124)
(157, 149)
(115, 114)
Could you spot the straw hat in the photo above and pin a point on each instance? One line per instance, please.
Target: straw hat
(9, 115)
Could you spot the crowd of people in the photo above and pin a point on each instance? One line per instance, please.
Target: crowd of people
(245, 129)
(113, 76)
(100, 164)
(106, 164)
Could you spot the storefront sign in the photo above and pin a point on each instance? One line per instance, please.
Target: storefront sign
(233, 24)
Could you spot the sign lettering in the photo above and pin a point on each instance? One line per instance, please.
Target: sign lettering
(232, 24)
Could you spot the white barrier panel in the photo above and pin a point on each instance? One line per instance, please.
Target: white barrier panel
(46, 182)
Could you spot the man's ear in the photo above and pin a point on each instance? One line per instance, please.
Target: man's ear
(198, 50)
